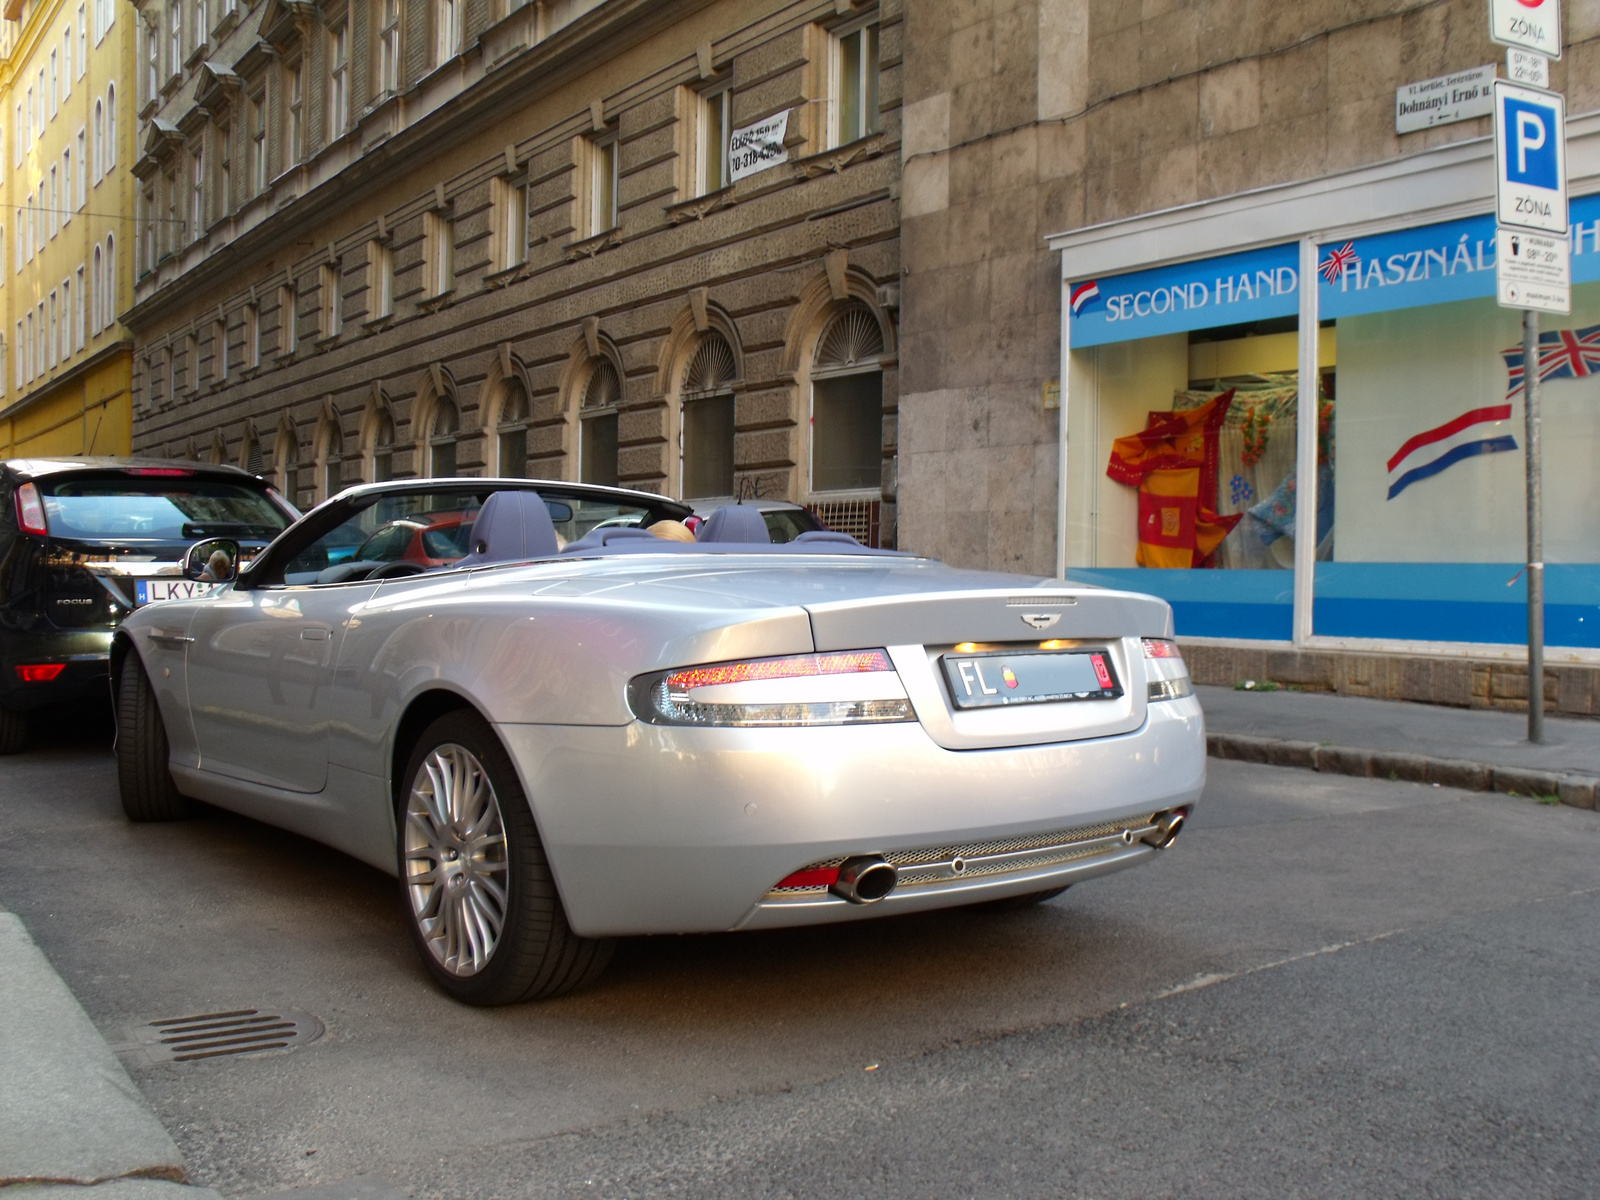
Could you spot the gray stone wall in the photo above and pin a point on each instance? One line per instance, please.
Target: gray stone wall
(1025, 118)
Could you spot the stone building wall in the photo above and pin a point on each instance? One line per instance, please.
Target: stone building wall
(766, 262)
(1025, 118)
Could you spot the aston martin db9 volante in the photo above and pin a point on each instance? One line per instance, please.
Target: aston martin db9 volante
(577, 730)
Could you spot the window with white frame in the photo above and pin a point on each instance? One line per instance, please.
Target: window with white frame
(78, 329)
(446, 30)
(151, 246)
(295, 107)
(16, 138)
(338, 80)
(27, 347)
(256, 117)
(288, 318)
(41, 355)
(853, 90)
(111, 279)
(40, 111)
(111, 125)
(380, 280)
(224, 197)
(511, 223)
(172, 226)
(152, 62)
(55, 84)
(55, 201)
(602, 206)
(174, 36)
(388, 81)
(197, 192)
(715, 105)
(83, 42)
(66, 319)
(66, 62)
(202, 23)
(97, 300)
(52, 332)
(99, 141)
(83, 168)
(39, 234)
(66, 186)
(20, 350)
(439, 244)
(330, 300)
(28, 96)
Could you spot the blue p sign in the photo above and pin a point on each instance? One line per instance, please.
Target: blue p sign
(1531, 150)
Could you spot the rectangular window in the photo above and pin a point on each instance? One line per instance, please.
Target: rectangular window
(202, 23)
(708, 446)
(83, 171)
(330, 302)
(27, 349)
(39, 228)
(338, 81)
(287, 319)
(52, 333)
(19, 350)
(224, 169)
(847, 433)
(191, 364)
(78, 312)
(388, 47)
(41, 356)
(256, 113)
(511, 223)
(711, 151)
(66, 62)
(197, 193)
(446, 30)
(31, 134)
(252, 336)
(55, 85)
(66, 319)
(853, 112)
(380, 281)
(152, 63)
(83, 43)
(172, 228)
(219, 350)
(16, 141)
(439, 242)
(174, 37)
(150, 251)
(66, 185)
(294, 84)
(602, 183)
(55, 201)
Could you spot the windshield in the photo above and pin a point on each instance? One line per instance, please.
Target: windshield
(165, 510)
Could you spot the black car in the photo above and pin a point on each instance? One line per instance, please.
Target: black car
(83, 541)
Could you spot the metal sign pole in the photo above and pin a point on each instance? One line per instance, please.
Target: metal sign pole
(1530, 405)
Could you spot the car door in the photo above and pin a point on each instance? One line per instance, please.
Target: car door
(260, 680)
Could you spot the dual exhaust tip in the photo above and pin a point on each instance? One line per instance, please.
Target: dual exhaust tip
(868, 878)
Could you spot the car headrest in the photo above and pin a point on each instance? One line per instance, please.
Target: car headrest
(735, 523)
(511, 527)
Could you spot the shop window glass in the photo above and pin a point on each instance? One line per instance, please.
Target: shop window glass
(1426, 533)
(1183, 428)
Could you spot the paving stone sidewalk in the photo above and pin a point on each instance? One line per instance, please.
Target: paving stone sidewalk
(1455, 747)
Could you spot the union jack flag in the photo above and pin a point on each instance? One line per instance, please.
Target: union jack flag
(1563, 354)
(1339, 260)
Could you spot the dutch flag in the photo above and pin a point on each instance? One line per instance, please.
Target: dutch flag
(1082, 294)
(1442, 447)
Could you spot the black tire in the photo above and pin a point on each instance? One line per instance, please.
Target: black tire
(1017, 903)
(13, 731)
(148, 793)
(536, 954)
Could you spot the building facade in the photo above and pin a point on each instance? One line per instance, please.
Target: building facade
(67, 207)
(390, 239)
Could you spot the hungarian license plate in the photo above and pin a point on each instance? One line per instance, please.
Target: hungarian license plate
(154, 591)
(1030, 677)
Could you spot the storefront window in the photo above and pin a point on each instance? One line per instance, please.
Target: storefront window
(1183, 422)
(1430, 536)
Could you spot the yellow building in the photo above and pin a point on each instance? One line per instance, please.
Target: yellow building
(66, 207)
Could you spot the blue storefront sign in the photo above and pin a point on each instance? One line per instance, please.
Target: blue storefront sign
(1230, 290)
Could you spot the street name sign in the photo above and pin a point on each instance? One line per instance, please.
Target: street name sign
(1528, 24)
(1533, 270)
(1527, 68)
(1530, 140)
(759, 146)
(1443, 100)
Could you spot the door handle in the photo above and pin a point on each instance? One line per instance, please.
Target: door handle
(314, 633)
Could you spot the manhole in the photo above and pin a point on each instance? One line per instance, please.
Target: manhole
(219, 1034)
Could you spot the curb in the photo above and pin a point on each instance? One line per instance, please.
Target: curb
(1579, 791)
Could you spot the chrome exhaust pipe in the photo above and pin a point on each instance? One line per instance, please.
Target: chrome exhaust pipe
(1168, 826)
(865, 879)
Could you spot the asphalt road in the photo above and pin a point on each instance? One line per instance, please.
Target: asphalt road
(1331, 987)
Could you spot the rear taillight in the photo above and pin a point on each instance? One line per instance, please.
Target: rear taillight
(161, 472)
(845, 688)
(1165, 669)
(39, 672)
(30, 510)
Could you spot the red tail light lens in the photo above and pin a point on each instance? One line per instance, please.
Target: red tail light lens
(833, 688)
(798, 667)
(1161, 648)
(30, 510)
(161, 472)
(39, 672)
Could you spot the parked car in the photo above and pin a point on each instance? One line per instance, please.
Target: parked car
(552, 747)
(785, 521)
(83, 541)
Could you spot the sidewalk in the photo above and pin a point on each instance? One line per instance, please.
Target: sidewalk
(1477, 749)
(71, 1121)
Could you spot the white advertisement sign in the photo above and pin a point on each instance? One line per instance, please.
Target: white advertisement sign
(1533, 270)
(1457, 97)
(1530, 24)
(759, 146)
(1530, 138)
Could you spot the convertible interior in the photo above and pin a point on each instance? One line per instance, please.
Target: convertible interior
(517, 526)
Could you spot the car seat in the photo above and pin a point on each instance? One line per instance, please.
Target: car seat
(735, 523)
(512, 526)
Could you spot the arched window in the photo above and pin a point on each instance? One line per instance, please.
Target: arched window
(514, 429)
(847, 404)
(442, 439)
(597, 425)
(332, 464)
(707, 401)
(111, 125)
(109, 310)
(286, 464)
(97, 283)
(250, 454)
(383, 449)
(99, 136)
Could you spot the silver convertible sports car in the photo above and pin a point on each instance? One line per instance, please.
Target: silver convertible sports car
(556, 727)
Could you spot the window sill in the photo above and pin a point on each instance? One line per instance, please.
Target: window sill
(169, 89)
(378, 324)
(590, 246)
(328, 342)
(499, 279)
(701, 206)
(224, 26)
(437, 302)
(837, 158)
(149, 109)
(197, 56)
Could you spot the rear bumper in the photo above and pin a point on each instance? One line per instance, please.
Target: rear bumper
(84, 653)
(652, 829)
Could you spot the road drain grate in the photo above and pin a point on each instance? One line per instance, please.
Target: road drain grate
(218, 1034)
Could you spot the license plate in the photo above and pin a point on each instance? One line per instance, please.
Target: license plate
(154, 591)
(1030, 677)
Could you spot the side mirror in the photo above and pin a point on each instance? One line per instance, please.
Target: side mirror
(215, 560)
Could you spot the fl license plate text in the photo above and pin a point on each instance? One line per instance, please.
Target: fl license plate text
(995, 679)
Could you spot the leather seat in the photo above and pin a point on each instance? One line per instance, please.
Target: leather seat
(511, 527)
(735, 523)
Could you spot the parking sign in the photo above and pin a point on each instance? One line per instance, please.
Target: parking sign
(1530, 134)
